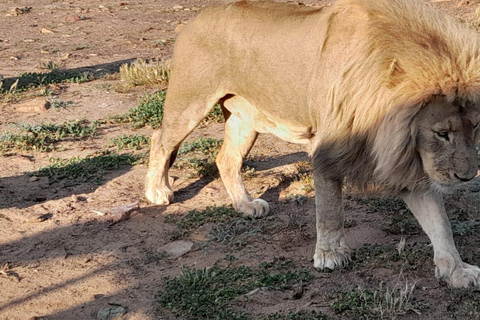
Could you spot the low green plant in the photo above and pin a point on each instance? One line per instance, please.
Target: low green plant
(135, 142)
(216, 115)
(410, 257)
(300, 315)
(463, 303)
(196, 218)
(89, 169)
(400, 220)
(235, 231)
(206, 146)
(199, 155)
(379, 303)
(465, 228)
(42, 137)
(148, 113)
(60, 104)
(36, 79)
(207, 293)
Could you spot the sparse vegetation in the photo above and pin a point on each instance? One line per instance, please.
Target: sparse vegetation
(216, 115)
(196, 218)
(141, 72)
(35, 79)
(303, 173)
(135, 142)
(300, 315)
(206, 146)
(199, 155)
(89, 169)
(463, 303)
(148, 113)
(235, 231)
(49, 65)
(42, 137)
(379, 303)
(399, 218)
(411, 257)
(207, 293)
(60, 104)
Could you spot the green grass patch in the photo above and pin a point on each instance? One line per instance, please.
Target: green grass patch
(195, 218)
(42, 137)
(378, 303)
(208, 293)
(410, 257)
(206, 146)
(135, 142)
(400, 219)
(463, 303)
(300, 315)
(37, 79)
(148, 113)
(60, 104)
(216, 115)
(199, 156)
(89, 169)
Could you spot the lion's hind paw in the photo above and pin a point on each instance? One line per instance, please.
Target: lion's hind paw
(331, 259)
(160, 196)
(465, 276)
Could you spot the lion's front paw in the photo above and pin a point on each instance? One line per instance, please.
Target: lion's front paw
(331, 259)
(463, 276)
(160, 196)
(256, 208)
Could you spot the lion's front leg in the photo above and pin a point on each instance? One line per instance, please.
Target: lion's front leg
(429, 210)
(331, 250)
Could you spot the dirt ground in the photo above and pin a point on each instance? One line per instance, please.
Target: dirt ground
(60, 259)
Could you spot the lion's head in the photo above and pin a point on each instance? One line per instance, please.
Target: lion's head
(446, 137)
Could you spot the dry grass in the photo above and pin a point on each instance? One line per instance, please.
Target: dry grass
(146, 73)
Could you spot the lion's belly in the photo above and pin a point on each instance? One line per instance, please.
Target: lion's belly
(283, 127)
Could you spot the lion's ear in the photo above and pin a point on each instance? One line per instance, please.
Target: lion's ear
(394, 73)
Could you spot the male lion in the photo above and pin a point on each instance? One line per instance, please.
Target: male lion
(379, 91)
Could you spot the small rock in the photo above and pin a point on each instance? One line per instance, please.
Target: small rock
(33, 179)
(179, 27)
(118, 214)
(111, 312)
(177, 7)
(203, 233)
(36, 105)
(178, 248)
(251, 293)
(45, 31)
(73, 18)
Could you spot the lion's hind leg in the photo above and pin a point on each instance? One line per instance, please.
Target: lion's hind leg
(240, 136)
(181, 117)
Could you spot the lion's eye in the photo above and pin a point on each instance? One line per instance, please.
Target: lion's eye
(442, 135)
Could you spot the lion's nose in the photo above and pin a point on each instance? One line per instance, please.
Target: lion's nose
(463, 178)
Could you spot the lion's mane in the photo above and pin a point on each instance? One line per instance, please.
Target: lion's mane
(408, 54)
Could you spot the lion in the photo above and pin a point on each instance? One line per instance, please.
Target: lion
(380, 92)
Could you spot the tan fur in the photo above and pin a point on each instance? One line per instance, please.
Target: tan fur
(383, 92)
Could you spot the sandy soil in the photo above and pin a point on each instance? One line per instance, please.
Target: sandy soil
(60, 260)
